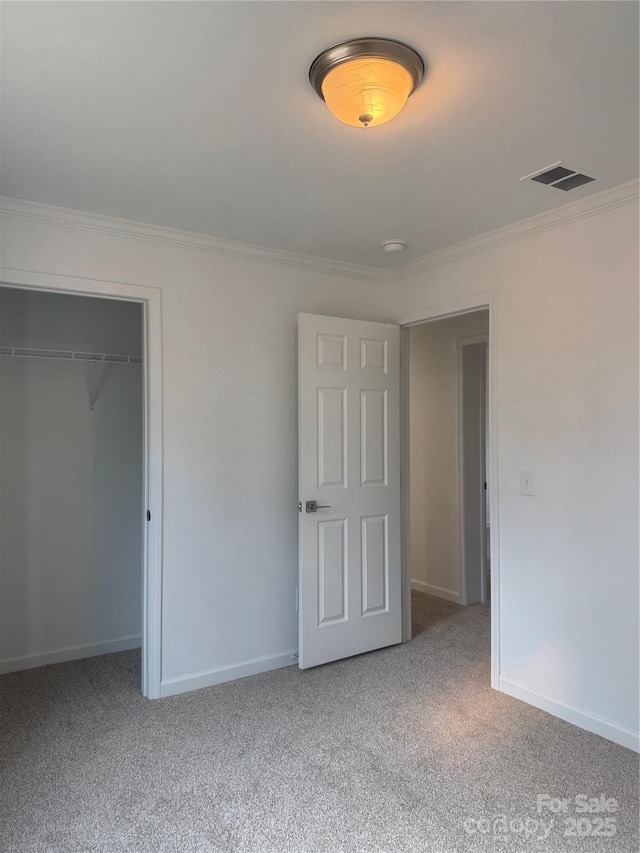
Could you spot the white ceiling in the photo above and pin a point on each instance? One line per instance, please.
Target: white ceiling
(200, 116)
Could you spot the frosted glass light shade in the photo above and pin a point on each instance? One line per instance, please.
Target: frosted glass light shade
(367, 92)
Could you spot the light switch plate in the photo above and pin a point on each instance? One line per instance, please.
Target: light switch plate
(527, 483)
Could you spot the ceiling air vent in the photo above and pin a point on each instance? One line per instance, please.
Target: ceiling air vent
(561, 176)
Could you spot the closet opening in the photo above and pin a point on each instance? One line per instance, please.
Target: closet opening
(73, 479)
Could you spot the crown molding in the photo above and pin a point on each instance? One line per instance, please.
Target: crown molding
(111, 225)
(601, 202)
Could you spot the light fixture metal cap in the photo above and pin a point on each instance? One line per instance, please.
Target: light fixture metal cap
(360, 48)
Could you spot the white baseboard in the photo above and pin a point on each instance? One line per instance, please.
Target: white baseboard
(84, 650)
(572, 714)
(219, 674)
(436, 591)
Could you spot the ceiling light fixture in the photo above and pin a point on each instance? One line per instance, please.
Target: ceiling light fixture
(366, 82)
(394, 245)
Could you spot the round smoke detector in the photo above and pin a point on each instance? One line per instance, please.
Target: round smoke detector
(394, 245)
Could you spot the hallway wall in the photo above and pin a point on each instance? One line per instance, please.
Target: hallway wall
(434, 452)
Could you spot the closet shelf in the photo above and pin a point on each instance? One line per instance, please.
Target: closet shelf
(96, 374)
(68, 355)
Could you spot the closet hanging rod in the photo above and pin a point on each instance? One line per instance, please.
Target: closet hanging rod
(71, 355)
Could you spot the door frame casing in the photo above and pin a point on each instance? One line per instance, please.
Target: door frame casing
(150, 299)
(482, 301)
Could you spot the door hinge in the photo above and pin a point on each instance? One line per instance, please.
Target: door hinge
(148, 515)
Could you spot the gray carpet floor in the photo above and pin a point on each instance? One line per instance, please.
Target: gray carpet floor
(405, 749)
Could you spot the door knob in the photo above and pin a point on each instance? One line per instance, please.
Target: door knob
(314, 506)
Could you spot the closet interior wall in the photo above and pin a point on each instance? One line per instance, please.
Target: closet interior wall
(71, 454)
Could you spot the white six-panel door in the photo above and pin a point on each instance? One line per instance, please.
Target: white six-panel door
(349, 464)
